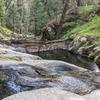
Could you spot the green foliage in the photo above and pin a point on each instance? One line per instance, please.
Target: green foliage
(89, 28)
(39, 13)
(2, 14)
(30, 16)
(85, 9)
(38, 17)
(16, 17)
(6, 33)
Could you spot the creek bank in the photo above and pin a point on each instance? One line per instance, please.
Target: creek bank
(81, 45)
(84, 46)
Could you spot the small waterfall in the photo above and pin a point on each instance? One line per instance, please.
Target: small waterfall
(96, 67)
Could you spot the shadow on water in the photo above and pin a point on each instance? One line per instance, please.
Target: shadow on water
(66, 56)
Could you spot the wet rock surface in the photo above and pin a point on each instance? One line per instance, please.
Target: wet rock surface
(33, 73)
(24, 77)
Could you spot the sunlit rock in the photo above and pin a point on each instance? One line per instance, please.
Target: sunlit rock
(54, 93)
(7, 54)
(44, 94)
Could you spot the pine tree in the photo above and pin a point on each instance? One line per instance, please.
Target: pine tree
(2, 12)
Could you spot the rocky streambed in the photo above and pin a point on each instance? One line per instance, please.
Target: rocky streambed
(24, 72)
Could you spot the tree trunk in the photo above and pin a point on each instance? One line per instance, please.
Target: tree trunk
(65, 9)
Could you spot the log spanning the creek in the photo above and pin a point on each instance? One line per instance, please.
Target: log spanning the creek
(33, 47)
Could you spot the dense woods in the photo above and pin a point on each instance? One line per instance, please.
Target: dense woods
(30, 16)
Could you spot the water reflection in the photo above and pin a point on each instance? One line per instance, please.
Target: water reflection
(70, 58)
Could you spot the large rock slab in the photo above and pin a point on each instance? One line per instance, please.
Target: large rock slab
(49, 65)
(95, 95)
(7, 54)
(45, 73)
(54, 94)
(25, 76)
(44, 94)
(74, 85)
(56, 65)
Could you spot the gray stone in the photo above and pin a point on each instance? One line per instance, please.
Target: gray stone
(44, 94)
(73, 84)
(54, 94)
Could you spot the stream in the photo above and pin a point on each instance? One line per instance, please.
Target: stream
(66, 56)
(20, 77)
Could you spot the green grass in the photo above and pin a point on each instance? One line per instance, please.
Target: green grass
(88, 28)
(79, 27)
(6, 33)
(85, 9)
